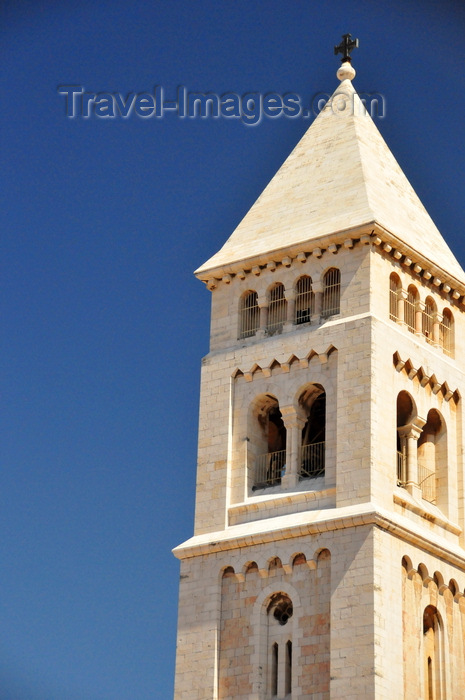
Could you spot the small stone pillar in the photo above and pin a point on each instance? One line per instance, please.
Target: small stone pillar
(290, 298)
(317, 288)
(263, 306)
(410, 433)
(419, 309)
(437, 320)
(401, 298)
(294, 425)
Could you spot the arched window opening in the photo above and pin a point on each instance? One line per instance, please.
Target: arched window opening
(427, 320)
(410, 308)
(312, 458)
(274, 669)
(431, 455)
(249, 315)
(405, 415)
(433, 666)
(268, 443)
(304, 300)
(394, 288)
(288, 669)
(279, 612)
(446, 333)
(277, 309)
(331, 293)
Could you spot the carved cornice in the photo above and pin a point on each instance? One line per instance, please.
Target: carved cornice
(424, 377)
(293, 361)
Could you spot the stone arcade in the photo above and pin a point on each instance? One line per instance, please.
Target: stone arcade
(328, 559)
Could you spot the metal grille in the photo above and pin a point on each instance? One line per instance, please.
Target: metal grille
(277, 309)
(401, 476)
(304, 300)
(312, 460)
(393, 300)
(270, 467)
(427, 483)
(410, 311)
(250, 315)
(331, 292)
(445, 335)
(427, 321)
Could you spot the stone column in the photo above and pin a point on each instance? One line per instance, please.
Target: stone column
(419, 308)
(410, 433)
(294, 425)
(263, 306)
(290, 298)
(317, 288)
(401, 297)
(437, 320)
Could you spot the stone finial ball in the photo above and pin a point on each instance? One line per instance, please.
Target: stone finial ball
(346, 72)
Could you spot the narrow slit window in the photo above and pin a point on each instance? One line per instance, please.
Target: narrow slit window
(288, 669)
(274, 669)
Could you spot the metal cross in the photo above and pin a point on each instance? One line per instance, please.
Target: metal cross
(346, 46)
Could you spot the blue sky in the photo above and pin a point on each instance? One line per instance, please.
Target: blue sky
(102, 324)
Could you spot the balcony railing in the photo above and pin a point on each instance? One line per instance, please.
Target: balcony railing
(427, 483)
(401, 476)
(269, 468)
(312, 460)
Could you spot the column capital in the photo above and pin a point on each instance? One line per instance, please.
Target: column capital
(412, 429)
(292, 417)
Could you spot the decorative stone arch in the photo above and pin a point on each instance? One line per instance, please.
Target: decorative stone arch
(408, 566)
(298, 559)
(250, 567)
(274, 563)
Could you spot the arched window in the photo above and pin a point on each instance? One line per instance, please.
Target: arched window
(267, 442)
(312, 457)
(331, 292)
(446, 332)
(406, 412)
(304, 300)
(277, 309)
(411, 308)
(394, 288)
(249, 315)
(433, 669)
(427, 320)
(279, 613)
(432, 457)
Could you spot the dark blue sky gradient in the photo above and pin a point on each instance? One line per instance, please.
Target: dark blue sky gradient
(103, 325)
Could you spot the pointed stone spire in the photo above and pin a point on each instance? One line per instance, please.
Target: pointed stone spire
(341, 177)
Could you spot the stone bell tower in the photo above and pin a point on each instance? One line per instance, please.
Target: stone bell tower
(328, 555)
